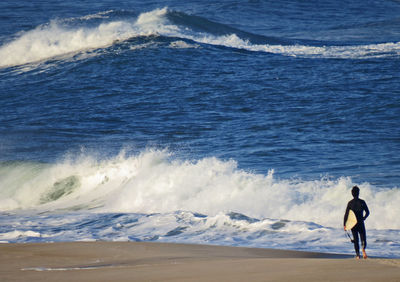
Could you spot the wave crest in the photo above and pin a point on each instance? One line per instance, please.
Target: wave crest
(154, 181)
(58, 39)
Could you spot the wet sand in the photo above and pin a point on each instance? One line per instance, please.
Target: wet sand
(131, 261)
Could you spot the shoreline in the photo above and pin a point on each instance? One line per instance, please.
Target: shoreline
(150, 261)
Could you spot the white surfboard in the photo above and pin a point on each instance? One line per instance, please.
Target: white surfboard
(351, 220)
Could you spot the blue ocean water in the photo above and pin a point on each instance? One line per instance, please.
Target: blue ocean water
(223, 122)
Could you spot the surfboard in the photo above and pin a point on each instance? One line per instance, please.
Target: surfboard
(351, 220)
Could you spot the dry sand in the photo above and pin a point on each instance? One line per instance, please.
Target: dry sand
(128, 261)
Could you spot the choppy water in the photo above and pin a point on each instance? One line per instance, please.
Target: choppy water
(229, 122)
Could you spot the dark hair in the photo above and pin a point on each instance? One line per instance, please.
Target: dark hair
(355, 191)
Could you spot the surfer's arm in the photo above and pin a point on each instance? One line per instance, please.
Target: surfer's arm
(366, 210)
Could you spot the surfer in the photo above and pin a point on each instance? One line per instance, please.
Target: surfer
(358, 206)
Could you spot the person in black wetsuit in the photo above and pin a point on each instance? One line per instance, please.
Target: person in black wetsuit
(358, 206)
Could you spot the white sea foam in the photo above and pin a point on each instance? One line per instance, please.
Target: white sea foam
(153, 182)
(186, 227)
(17, 234)
(182, 45)
(52, 40)
(99, 15)
(48, 41)
(55, 39)
(339, 52)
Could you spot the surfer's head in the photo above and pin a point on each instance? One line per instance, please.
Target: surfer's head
(355, 191)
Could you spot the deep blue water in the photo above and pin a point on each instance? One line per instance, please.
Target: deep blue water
(303, 117)
(309, 89)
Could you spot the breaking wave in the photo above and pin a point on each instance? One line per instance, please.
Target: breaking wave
(58, 38)
(155, 181)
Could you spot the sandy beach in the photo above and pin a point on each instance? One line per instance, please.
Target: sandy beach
(131, 261)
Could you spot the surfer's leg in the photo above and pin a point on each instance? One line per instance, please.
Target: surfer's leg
(363, 238)
(356, 245)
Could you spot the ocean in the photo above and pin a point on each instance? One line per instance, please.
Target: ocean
(240, 123)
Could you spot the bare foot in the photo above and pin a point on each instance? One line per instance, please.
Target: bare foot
(364, 254)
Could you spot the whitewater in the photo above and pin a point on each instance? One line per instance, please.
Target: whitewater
(240, 124)
(152, 196)
(58, 38)
(152, 182)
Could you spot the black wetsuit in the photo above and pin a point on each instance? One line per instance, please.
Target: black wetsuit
(358, 206)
